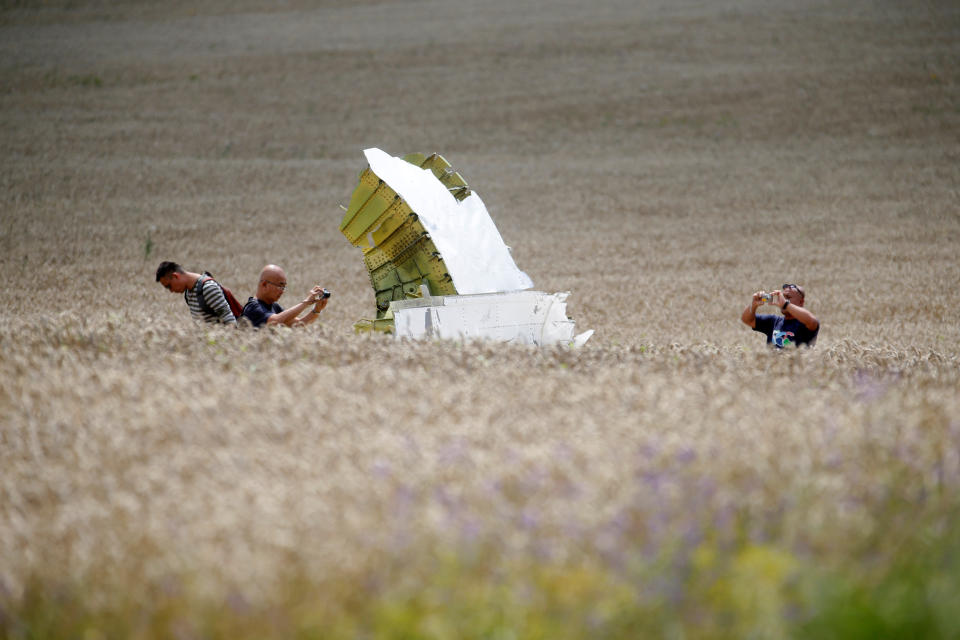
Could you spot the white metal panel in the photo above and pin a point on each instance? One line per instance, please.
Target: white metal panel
(463, 232)
(525, 317)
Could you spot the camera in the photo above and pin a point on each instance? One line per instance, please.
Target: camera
(768, 298)
(326, 294)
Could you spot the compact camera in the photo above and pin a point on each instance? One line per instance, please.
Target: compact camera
(326, 294)
(768, 298)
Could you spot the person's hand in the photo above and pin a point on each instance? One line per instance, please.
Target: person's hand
(315, 294)
(319, 302)
(756, 300)
(780, 299)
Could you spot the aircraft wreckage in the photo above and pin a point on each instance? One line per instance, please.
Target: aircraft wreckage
(437, 263)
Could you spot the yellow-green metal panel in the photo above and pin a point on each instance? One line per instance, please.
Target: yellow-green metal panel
(401, 257)
(367, 185)
(357, 228)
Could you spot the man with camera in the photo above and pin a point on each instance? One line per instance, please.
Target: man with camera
(795, 327)
(264, 310)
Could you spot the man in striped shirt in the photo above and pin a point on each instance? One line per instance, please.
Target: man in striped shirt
(203, 295)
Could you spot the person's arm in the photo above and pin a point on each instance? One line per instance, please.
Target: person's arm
(806, 318)
(289, 316)
(749, 315)
(213, 296)
(314, 313)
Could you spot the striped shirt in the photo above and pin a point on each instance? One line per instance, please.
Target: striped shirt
(213, 296)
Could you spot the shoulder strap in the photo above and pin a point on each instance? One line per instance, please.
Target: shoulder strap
(202, 280)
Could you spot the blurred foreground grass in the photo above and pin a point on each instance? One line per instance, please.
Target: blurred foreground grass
(179, 481)
(710, 591)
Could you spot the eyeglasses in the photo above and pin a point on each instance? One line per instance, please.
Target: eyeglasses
(282, 287)
(795, 287)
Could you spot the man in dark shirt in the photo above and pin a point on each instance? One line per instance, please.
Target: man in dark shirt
(795, 327)
(264, 310)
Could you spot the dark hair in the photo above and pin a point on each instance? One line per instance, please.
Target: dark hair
(166, 268)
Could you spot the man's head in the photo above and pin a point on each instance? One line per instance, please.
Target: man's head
(173, 277)
(273, 282)
(794, 295)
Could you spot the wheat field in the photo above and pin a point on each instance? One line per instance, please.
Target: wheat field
(660, 160)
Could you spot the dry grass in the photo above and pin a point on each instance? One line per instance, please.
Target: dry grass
(659, 160)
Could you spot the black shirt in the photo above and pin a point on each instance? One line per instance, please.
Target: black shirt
(257, 311)
(781, 332)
